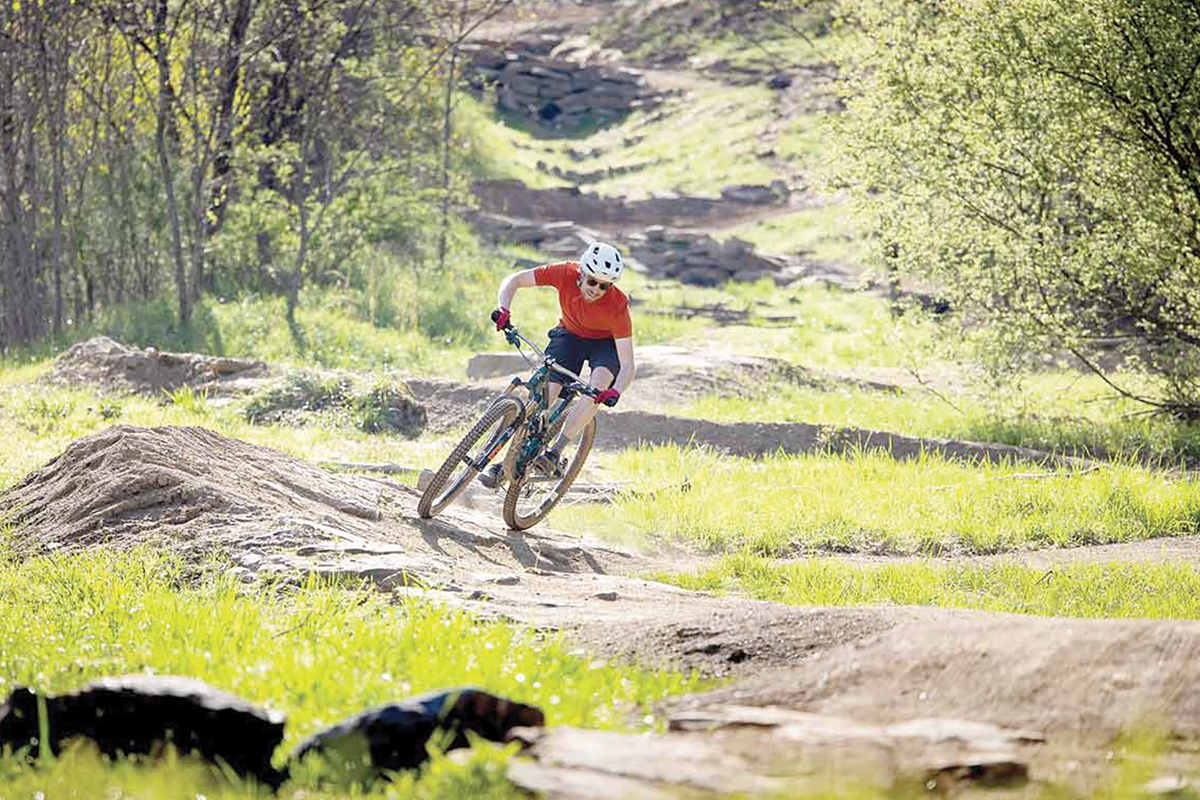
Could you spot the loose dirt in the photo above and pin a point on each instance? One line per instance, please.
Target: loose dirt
(108, 364)
(1077, 683)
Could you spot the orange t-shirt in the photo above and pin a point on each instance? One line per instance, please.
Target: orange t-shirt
(607, 317)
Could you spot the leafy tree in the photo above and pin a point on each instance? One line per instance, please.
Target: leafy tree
(149, 145)
(1040, 161)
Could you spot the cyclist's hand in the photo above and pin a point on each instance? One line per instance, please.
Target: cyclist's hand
(501, 317)
(609, 397)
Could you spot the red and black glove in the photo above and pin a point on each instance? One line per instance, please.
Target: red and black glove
(501, 316)
(609, 397)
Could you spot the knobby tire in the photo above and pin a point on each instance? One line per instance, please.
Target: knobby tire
(446, 485)
(519, 522)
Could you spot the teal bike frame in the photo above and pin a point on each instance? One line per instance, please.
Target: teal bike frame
(543, 416)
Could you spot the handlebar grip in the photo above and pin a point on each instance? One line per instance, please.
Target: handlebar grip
(610, 402)
(495, 315)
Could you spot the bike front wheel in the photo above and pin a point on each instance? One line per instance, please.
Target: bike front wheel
(477, 448)
(531, 497)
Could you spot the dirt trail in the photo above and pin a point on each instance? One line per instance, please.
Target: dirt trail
(194, 491)
(450, 404)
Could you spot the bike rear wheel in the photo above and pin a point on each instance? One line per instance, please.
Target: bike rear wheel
(531, 497)
(477, 447)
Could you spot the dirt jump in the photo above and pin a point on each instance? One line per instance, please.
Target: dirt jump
(908, 694)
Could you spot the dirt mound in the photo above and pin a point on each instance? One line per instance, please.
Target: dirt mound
(189, 487)
(753, 439)
(513, 199)
(450, 405)
(101, 361)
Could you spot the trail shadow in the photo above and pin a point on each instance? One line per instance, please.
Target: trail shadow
(531, 551)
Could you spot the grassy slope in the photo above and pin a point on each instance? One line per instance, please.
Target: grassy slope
(869, 503)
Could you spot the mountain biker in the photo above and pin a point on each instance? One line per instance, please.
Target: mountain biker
(594, 327)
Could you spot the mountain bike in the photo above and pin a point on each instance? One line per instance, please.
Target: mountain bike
(526, 426)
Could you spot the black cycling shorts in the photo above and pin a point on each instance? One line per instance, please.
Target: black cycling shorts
(571, 351)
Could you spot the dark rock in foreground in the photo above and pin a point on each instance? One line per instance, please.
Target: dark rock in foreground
(140, 714)
(395, 737)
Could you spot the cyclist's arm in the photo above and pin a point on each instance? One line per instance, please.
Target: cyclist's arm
(625, 355)
(509, 286)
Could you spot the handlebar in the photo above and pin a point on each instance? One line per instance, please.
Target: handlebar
(578, 384)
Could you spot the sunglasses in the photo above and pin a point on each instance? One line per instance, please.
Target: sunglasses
(601, 285)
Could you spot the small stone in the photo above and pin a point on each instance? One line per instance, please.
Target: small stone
(606, 595)
(1170, 786)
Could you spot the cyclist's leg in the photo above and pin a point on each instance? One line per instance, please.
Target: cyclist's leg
(569, 351)
(582, 412)
(605, 364)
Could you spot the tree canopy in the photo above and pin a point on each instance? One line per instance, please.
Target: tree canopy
(1039, 160)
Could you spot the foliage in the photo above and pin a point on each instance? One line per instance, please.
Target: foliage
(301, 390)
(377, 405)
(224, 147)
(387, 405)
(1038, 160)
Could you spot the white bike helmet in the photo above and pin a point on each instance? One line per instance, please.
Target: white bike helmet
(602, 262)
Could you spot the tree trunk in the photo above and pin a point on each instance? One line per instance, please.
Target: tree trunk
(164, 160)
(293, 298)
(300, 195)
(223, 162)
(57, 144)
(447, 133)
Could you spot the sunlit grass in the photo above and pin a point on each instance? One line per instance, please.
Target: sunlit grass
(317, 654)
(1107, 590)
(1062, 413)
(825, 233)
(870, 503)
(693, 145)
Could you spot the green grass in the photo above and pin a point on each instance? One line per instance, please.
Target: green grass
(40, 422)
(691, 146)
(1055, 412)
(1126, 590)
(869, 503)
(824, 232)
(317, 655)
(834, 329)
(701, 144)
